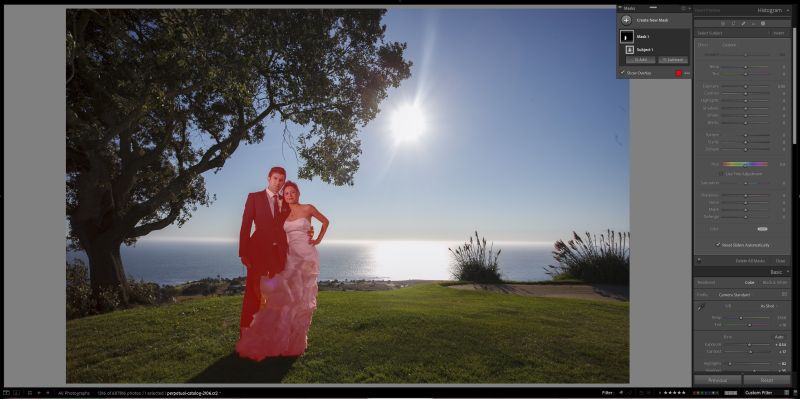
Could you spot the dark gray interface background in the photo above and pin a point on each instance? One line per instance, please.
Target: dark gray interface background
(660, 186)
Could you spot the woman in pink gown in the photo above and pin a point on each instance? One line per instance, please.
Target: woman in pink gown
(289, 299)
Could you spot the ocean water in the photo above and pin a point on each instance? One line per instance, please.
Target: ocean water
(175, 262)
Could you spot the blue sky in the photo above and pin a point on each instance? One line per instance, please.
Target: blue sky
(527, 137)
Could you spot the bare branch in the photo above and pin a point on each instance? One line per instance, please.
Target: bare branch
(288, 142)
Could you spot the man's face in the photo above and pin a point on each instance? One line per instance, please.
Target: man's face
(275, 182)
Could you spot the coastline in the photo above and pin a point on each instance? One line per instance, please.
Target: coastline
(325, 285)
(553, 289)
(177, 263)
(233, 286)
(370, 285)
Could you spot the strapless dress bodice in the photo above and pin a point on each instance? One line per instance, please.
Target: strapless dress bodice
(297, 229)
(297, 225)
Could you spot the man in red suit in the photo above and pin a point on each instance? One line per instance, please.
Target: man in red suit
(263, 253)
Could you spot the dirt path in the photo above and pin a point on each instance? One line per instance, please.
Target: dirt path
(594, 291)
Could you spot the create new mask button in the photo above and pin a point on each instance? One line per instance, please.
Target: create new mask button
(669, 59)
(640, 59)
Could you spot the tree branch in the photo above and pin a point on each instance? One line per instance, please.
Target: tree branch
(145, 229)
(124, 183)
(213, 157)
(139, 110)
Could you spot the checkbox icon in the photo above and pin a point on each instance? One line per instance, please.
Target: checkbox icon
(629, 49)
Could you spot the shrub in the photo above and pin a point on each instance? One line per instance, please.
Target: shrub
(80, 301)
(205, 286)
(107, 301)
(234, 289)
(606, 260)
(79, 291)
(474, 263)
(141, 292)
(167, 293)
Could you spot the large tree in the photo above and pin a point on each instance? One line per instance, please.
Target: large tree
(157, 97)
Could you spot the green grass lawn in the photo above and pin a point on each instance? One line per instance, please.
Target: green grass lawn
(421, 334)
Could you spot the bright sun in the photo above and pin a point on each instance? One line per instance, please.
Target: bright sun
(408, 123)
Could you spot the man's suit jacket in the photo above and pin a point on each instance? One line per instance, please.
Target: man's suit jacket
(267, 247)
(266, 250)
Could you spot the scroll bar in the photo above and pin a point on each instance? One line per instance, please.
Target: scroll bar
(794, 86)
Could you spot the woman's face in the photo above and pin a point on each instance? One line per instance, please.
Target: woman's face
(291, 195)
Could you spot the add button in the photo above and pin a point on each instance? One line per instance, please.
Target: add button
(640, 59)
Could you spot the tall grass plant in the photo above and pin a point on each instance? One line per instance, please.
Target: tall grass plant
(475, 262)
(593, 260)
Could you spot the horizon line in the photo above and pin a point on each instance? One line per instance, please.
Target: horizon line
(350, 241)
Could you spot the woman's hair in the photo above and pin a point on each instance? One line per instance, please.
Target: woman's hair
(291, 184)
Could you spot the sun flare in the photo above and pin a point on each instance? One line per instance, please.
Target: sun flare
(408, 123)
(405, 260)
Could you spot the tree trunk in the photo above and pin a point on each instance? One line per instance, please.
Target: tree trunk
(106, 271)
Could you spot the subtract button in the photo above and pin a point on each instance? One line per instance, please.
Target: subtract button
(673, 60)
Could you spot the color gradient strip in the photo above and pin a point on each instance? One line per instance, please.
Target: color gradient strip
(737, 164)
